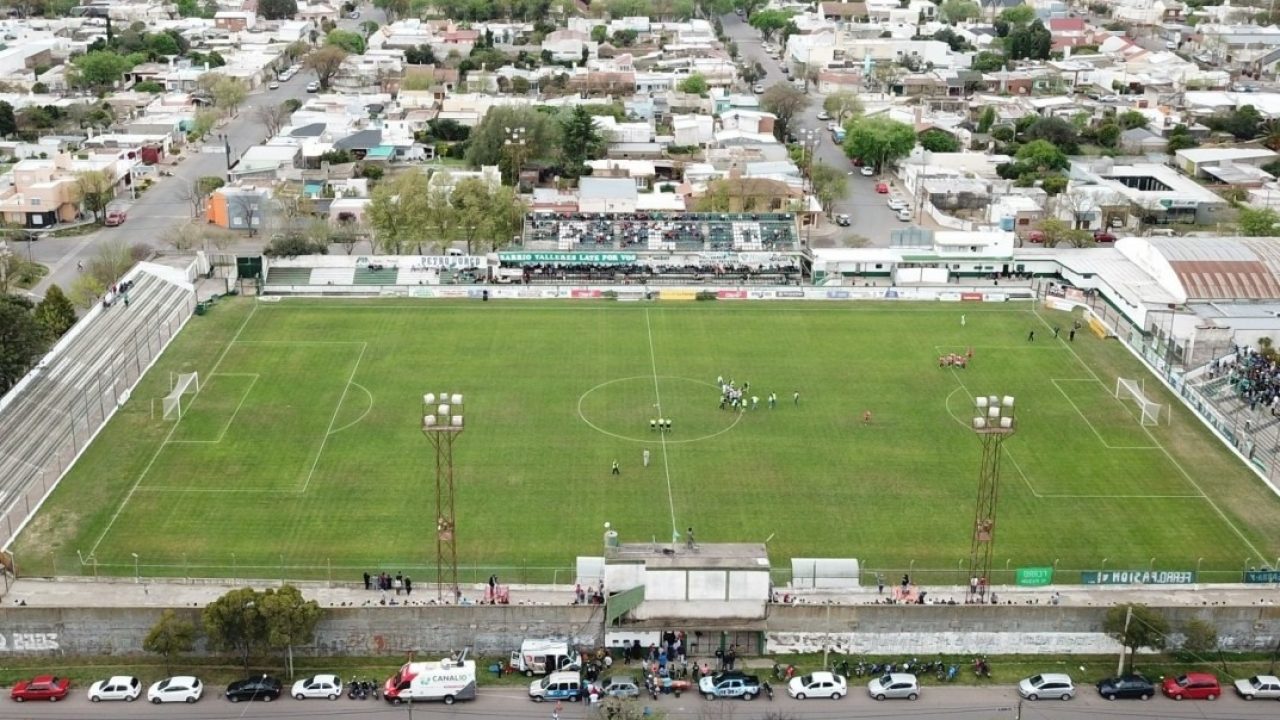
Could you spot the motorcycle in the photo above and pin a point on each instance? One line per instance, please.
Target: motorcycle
(861, 669)
(981, 668)
(354, 691)
(768, 690)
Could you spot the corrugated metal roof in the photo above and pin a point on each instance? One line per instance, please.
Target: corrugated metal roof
(1201, 248)
(1218, 268)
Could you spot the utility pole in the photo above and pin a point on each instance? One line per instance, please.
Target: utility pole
(1128, 616)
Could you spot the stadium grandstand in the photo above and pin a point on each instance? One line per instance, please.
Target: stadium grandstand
(51, 415)
(661, 232)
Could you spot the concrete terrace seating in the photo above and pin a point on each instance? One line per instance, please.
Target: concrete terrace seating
(381, 276)
(592, 232)
(288, 276)
(48, 418)
(333, 276)
(417, 276)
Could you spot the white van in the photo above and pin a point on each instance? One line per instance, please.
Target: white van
(557, 686)
(539, 657)
(446, 680)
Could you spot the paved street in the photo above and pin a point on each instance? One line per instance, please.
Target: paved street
(868, 210)
(954, 703)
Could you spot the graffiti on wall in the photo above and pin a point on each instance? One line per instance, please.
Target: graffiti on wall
(28, 642)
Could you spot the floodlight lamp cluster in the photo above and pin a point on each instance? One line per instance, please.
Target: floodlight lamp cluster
(993, 414)
(442, 412)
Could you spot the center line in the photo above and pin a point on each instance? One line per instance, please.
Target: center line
(657, 394)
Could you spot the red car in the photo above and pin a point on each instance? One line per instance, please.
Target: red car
(1193, 686)
(882, 188)
(41, 687)
(1104, 237)
(1035, 236)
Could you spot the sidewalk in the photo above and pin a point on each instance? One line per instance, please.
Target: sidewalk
(124, 592)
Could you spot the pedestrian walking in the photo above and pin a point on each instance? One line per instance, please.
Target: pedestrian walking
(80, 265)
(615, 470)
(1031, 336)
(1071, 336)
(366, 581)
(399, 583)
(646, 457)
(555, 713)
(879, 583)
(408, 585)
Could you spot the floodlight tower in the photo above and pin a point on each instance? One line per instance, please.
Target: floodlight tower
(442, 424)
(993, 421)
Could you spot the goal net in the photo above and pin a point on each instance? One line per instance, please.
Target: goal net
(1135, 391)
(175, 403)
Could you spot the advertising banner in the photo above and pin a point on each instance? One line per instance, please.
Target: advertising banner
(731, 294)
(1138, 577)
(1034, 576)
(678, 295)
(584, 293)
(971, 297)
(567, 257)
(1262, 576)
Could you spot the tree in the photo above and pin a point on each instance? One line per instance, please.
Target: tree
(399, 213)
(785, 102)
(749, 7)
(1180, 138)
(1056, 232)
(1033, 41)
(770, 21)
(271, 117)
(1136, 626)
(842, 105)
(986, 119)
(99, 69)
(1243, 123)
(935, 140)
(278, 9)
(393, 8)
(987, 61)
(829, 184)
(290, 620)
(96, 189)
(8, 123)
(352, 42)
(695, 84)
(1042, 156)
(55, 312)
(1258, 222)
(85, 291)
(1057, 131)
(1132, 119)
(1200, 638)
(229, 93)
(580, 140)
(294, 243)
(170, 636)
(325, 62)
(472, 203)
(878, 140)
(1018, 15)
(23, 340)
(957, 11)
(1108, 134)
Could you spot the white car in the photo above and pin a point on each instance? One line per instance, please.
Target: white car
(1264, 687)
(896, 203)
(904, 215)
(759, 89)
(822, 115)
(1047, 685)
(179, 688)
(818, 685)
(867, 171)
(118, 687)
(328, 687)
(273, 85)
(313, 86)
(832, 126)
(894, 685)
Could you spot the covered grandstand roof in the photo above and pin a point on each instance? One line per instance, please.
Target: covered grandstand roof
(1206, 268)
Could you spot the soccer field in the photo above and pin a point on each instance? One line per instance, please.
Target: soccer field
(303, 452)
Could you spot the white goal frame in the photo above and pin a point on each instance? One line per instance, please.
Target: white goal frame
(172, 406)
(1135, 390)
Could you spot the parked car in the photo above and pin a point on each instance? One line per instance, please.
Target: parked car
(1048, 686)
(1171, 44)
(328, 687)
(1109, 98)
(41, 687)
(1103, 237)
(1035, 236)
(867, 171)
(119, 687)
(831, 126)
(1266, 687)
(894, 685)
(897, 203)
(273, 85)
(260, 687)
(843, 220)
(882, 188)
(759, 89)
(1126, 687)
(1192, 686)
(115, 217)
(818, 685)
(724, 685)
(563, 685)
(904, 215)
(620, 686)
(822, 115)
(353, 15)
(179, 688)
(313, 86)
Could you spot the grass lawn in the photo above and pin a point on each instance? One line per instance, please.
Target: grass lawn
(302, 455)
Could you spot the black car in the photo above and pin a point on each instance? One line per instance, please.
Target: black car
(1126, 687)
(262, 687)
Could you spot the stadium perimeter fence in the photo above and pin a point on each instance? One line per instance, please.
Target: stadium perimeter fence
(53, 414)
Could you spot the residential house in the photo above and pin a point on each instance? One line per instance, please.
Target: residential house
(568, 45)
(45, 192)
(1068, 32)
(607, 195)
(1147, 12)
(1155, 192)
(641, 172)
(843, 12)
(238, 207)
(232, 21)
(693, 130)
(317, 12)
(749, 121)
(1142, 141)
(446, 180)
(1206, 162)
(266, 161)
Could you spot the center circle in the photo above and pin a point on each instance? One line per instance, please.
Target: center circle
(622, 409)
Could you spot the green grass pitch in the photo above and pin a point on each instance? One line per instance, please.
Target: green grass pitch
(303, 452)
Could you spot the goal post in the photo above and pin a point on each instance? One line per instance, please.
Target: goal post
(173, 405)
(1135, 391)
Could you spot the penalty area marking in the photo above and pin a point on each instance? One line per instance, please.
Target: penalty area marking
(607, 383)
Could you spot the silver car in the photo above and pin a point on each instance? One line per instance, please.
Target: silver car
(620, 686)
(894, 685)
(1047, 685)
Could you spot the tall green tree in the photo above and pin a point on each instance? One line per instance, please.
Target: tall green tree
(472, 201)
(829, 184)
(1136, 626)
(352, 42)
(986, 119)
(234, 622)
(581, 141)
(1132, 119)
(957, 11)
(99, 69)
(536, 137)
(1057, 131)
(325, 62)
(278, 9)
(8, 122)
(842, 105)
(55, 312)
(1018, 15)
(171, 635)
(399, 214)
(23, 340)
(95, 189)
(769, 22)
(1258, 222)
(941, 141)
(1042, 156)
(1033, 41)
(695, 84)
(393, 9)
(786, 103)
(229, 93)
(878, 140)
(290, 620)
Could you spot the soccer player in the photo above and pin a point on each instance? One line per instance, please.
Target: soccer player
(646, 457)
(866, 418)
(795, 397)
(615, 470)
(755, 401)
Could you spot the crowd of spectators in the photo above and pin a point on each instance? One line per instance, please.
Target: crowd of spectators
(703, 231)
(1253, 376)
(711, 273)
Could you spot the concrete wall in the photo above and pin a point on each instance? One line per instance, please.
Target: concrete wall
(896, 629)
